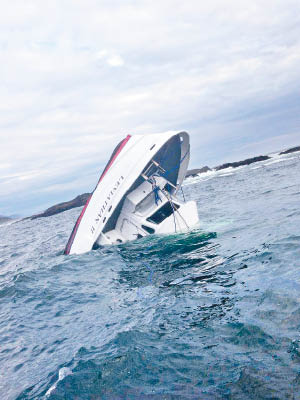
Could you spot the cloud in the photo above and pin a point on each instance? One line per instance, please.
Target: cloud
(112, 59)
(79, 76)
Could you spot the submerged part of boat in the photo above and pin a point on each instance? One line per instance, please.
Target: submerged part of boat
(136, 194)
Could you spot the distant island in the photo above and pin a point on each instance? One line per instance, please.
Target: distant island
(80, 200)
(195, 172)
(61, 207)
(4, 219)
(291, 150)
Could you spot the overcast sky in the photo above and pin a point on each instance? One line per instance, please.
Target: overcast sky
(78, 76)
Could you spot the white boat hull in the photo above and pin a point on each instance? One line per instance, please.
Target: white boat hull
(125, 197)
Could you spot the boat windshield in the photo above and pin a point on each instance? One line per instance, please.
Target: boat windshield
(162, 213)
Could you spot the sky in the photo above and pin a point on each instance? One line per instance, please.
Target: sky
(78, 76)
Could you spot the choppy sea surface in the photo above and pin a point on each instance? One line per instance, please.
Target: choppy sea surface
(209, 314)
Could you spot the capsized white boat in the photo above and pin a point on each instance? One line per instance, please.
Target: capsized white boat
(136, 194)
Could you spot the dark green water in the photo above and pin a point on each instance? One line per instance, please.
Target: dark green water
(211, 314)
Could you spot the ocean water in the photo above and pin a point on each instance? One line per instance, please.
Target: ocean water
(209, 314)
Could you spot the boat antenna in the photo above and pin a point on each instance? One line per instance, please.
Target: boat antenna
(175, 210)
(183, 194)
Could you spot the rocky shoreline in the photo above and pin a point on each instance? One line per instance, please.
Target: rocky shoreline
(80, 200)
(248, 161)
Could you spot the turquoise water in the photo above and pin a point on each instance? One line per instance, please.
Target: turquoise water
(210, 314)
